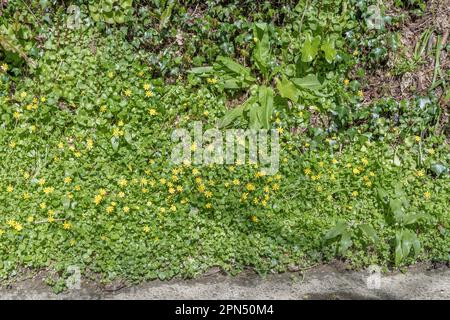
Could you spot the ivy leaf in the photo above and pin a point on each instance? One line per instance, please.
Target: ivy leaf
(345, 243)
(266, 102)
(337, 230)
(438, 169)
(369, 231)
(309, 82)
(329, 49)
(115, 143)
(287, 89)
(310, 48)
(261, 53)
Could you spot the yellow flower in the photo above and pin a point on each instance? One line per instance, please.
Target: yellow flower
(417, 138)
(16, 115)
(123, 182)
(67, 225)
(173, 208)
(102, 192)
(280, 130)
(427, 195)
(110, 74)
(307, 171)
(146, 229)
(194, 147)
(146, 86)
(103, 108)
(334, 161)
(275, 186)
(30, 219)
(211, 80)
(355, 53)
(355, 193)
(179, 188)
(420, 173)
(126, 209)
(162, 181)
(152, 112)
(201, 188)
(365, 161)
(346, 82)
(356, 171)
(208, 206)
(171, 190)
(97, 199)
(149, 94)
(254, 219)
(236, 182)
(372, 174)
(49, 190)
(12, 144)
(208, 194)
(26, 196)
(117, 132)
(42, 205)
(50, 219)
(109, 209)
(121, 194)
(10, 188)
(360, 94)
(67, 180)
(4, 67)
(368, 184)
(89, 144)
(127, 92)
(206, 113)
(77, 188)
(195, 172)
(250, 187)
(18, 227)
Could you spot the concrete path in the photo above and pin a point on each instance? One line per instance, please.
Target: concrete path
(324, 282)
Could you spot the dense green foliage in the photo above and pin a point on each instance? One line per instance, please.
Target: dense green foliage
(87, 112)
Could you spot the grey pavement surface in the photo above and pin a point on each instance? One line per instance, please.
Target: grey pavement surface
(323, 282)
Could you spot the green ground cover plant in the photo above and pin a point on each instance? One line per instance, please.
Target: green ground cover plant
(87, 110)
